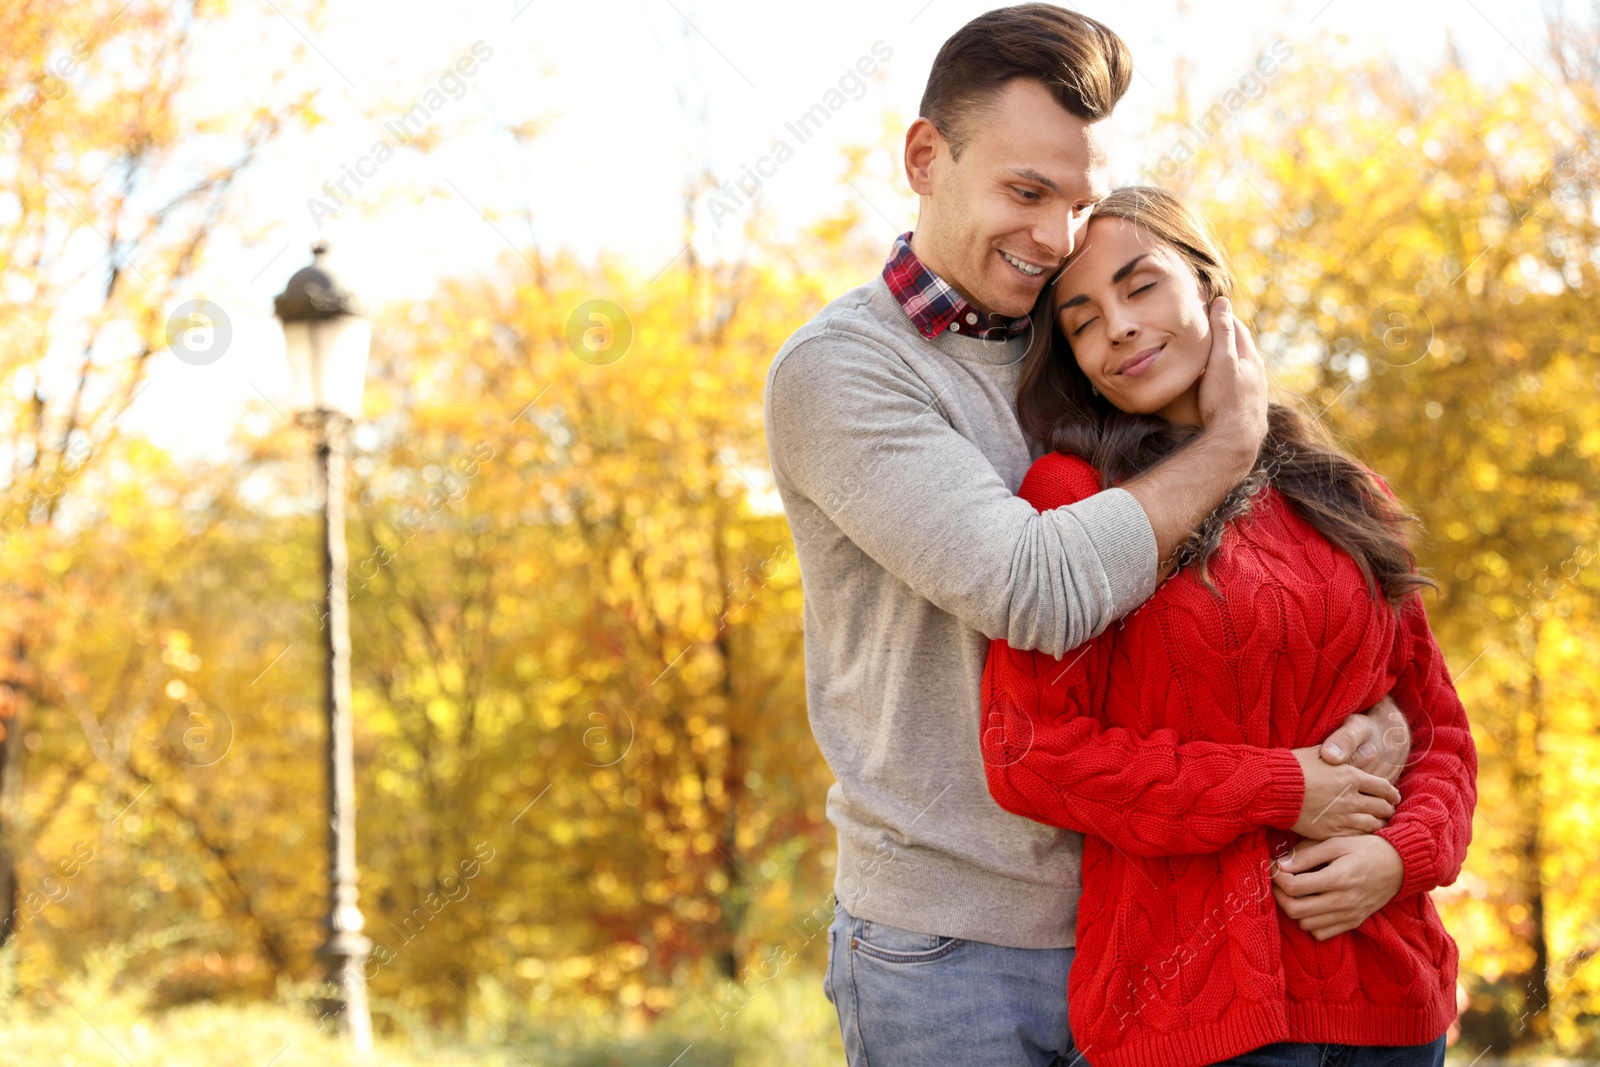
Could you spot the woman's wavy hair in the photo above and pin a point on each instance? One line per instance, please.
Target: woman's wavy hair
(1333, 492)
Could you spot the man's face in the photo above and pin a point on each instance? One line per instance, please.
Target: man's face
(998, 223)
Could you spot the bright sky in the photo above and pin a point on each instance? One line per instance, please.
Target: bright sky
(633, 98)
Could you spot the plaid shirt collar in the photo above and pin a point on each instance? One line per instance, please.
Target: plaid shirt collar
(932, 303)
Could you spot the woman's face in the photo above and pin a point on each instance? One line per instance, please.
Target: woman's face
(1134, 314)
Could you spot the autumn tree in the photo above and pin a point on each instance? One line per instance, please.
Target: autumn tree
(113, 180)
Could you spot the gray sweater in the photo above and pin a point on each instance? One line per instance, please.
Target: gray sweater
(898, 460)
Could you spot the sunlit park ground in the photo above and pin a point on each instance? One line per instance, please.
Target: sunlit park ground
(589, 820)
(789, 1024)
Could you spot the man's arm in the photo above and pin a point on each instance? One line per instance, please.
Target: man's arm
(863, 438)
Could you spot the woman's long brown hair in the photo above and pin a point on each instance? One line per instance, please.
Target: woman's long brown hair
(1334, 493)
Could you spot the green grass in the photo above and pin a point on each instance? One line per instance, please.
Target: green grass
(788, 1023)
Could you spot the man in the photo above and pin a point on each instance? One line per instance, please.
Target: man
(896, 449)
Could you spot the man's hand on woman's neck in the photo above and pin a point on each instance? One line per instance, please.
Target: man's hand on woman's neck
(1178, 493)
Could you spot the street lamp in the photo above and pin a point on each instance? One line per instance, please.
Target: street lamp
(327, 340)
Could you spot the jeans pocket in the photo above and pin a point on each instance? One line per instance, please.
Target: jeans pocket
(891, 944)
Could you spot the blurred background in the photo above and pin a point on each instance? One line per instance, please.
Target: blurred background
(589, 812)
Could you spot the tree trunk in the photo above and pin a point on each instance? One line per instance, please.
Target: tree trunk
(1534, 1025)
(11, 754)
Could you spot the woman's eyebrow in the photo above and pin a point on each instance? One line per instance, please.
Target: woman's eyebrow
(1127, 268)
(1122, 272)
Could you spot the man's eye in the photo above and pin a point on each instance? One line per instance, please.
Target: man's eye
(1080, 209)
(1026, 194)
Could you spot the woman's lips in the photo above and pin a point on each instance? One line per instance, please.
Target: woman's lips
(1140, 362)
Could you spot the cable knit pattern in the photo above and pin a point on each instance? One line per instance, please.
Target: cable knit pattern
(1166, 741)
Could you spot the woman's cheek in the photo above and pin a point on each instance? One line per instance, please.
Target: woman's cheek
(1194, 326)
(1086, 359)
(1193, 320)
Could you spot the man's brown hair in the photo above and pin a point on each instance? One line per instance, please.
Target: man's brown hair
(1083, 64)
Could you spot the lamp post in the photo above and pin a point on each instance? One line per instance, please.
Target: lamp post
(327, 341)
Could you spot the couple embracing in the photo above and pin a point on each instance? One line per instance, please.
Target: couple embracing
(1144, 751)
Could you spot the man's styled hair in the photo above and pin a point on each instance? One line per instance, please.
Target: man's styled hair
(1083, 64)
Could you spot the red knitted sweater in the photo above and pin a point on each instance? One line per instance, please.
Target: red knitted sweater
(1166, 741)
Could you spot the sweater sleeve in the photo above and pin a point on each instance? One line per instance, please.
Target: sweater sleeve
(1432, 824)
(1050, 757)
(866, 440)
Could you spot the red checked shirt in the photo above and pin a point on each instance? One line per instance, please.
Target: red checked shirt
(933, 303)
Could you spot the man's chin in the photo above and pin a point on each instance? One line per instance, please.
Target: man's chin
(1003, 297)
(1013, 308)
(1011, 300)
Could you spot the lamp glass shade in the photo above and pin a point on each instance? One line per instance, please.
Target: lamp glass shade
(328, 363)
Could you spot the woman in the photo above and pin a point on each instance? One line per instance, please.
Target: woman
(1203, 936)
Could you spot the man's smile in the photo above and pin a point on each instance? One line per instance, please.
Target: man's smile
(1030, 270)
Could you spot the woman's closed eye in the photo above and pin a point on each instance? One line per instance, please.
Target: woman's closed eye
(1086, 323)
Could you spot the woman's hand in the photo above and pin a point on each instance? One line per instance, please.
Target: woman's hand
(1341, 800)
(1329, 887)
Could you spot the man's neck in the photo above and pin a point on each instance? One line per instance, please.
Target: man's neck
(922, 247)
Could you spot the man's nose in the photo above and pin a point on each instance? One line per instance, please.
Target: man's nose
(1059, 233)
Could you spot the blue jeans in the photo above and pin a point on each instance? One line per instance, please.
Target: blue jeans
(908, 999)
(1288, 1054)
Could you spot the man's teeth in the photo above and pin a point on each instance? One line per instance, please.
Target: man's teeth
(1026, 268)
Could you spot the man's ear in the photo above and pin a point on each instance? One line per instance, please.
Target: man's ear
(924, 145)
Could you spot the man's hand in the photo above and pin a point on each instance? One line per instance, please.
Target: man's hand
(1233, 386)
(1179, 492)
(1329, 887)
(1377, 741)
(1341, 800)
